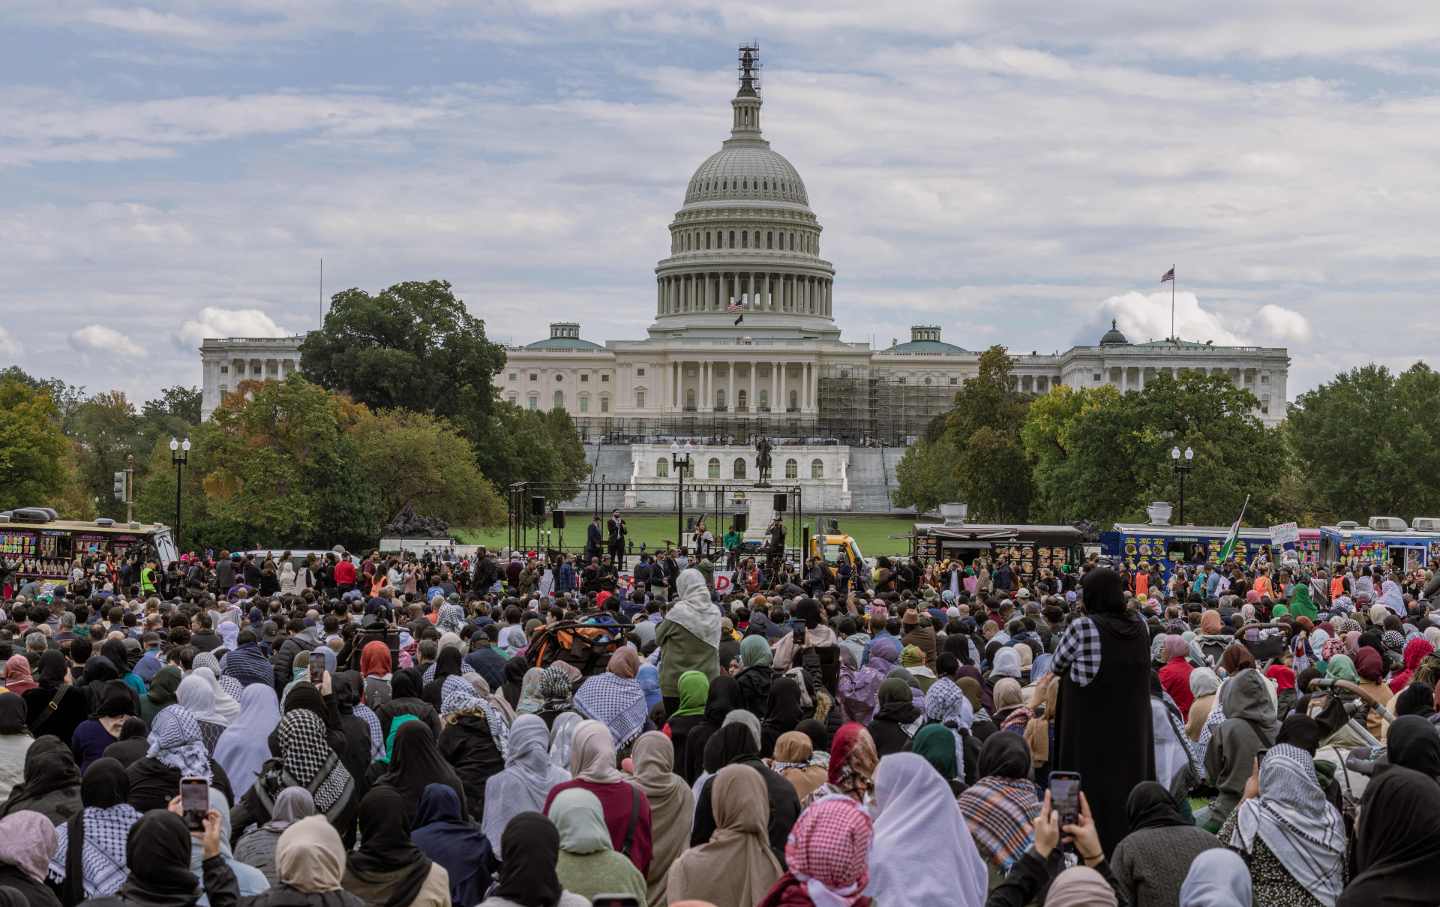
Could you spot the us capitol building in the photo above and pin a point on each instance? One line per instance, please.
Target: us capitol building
(745, 342)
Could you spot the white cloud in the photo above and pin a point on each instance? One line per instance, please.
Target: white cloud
(217, 322)
(9, 346)
(1146, 316)
(1283, 324)
(97, 338)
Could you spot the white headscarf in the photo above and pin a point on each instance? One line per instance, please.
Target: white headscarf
(208, 701)
(1217, 878)
(694, 610)
(526, 780)
(914, 805)
(1296, 822)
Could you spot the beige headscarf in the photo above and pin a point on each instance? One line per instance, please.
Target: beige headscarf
(592, 754)
(792, 760)
(309, 856)
(737, 866)
(672, 807)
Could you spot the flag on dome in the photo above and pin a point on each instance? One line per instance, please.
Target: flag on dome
(1169, 275)
(734, 307)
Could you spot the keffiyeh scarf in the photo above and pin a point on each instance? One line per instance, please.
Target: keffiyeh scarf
(175, 741)
(1001, 813)
(308, 761)
(616, 702)
(103, 852)
(458, 697)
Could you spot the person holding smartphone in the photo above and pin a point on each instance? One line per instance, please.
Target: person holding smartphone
(1033, 870)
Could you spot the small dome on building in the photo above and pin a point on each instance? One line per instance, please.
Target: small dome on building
(564, 335)
(925, 338)
(1113, 337)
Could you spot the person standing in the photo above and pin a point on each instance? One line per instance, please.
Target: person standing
(594, 539)
(1104, 727)
(616, 527)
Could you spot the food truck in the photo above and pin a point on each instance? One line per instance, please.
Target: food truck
(1028, 547)
(36, 544)
(1383, 540)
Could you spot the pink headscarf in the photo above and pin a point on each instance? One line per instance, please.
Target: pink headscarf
(17, 675)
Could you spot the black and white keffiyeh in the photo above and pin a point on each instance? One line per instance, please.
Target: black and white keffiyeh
(103, 852)
(458, 697)
(451, 618)
(306, 755)
(429, 674)
(175, 740)
(617, 702)
(372, 721)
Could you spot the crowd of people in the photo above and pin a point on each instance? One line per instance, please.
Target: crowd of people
(396, 731)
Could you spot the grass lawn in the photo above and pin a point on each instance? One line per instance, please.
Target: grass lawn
(872, 533)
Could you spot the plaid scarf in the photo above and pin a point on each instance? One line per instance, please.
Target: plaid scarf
(617, 702)
(1001, 813)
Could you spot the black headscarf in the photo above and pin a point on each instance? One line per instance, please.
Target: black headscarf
(957, 644)
(447, 663)
(1302, 731)
(732, 743)
(1397, 840)
(415, 764)
(158, 854)
(386, 849)
(815, 730)
(460, 846)
(49, 766)
(1004, 755)
(1104, 592)
(782, 711)
(114, 649)
(1416, 699)
(1151, 806)
(98, 669)
(50, 672)
(405, 684)
(515, 670)
(723, 697)
(347, 686)
(529, 847)
(12, 714)
(1414, 743)
(305, 696)
(105, 784)
(113, 699)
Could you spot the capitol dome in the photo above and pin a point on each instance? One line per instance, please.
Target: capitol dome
(745, 244)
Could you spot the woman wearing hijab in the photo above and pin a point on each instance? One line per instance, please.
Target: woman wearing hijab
(249, 880)
(756, 673)
(54, 706)
(1000, 808)
(1249, 726)
(1150, 863)
(783, 712)
(89, 858)
(308, 868)
(851, 771)
(689, 636)
(529, 700)
(736, 867)
(1396, 842)
(912, 805)
(515, 672)
(1291, 837)
(615, 699)
(443, 835)
(388, 870)
(694, 689)
(415, 763)
(1104, 727)
(257, 847)
(27, 839)
(1415, 651)
(562, 736)
(306, 760)
(1175, 675)
(474, 740)
(529, 852)
(556, 692)
(1203, 686)
(897, 719)
(113, 704)
(626, 809)
(157, 856)
(161, 693)
(196, 696)
(375, 668)
(721, 698)
(526, 780)
(672, 807)
(227, 707)
(1371, 667)
(738, 744)
(587, 865)
(793, 762)
(243, 747)
(828, 854)
(939, 747)
(51, 784)
(1414, 743)
(176, 751)
(15, 740)
(1217, 878)
(18, 679)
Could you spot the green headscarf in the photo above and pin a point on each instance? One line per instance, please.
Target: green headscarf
(755, 650)
(163, 690)
(1300, 603)
(936, 743)
(395, 726)
(1279, 611)
(694, 690)
(1341, 667)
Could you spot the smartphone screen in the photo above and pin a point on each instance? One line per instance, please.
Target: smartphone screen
(317, 668)
(614, 900)
(1065, 796)
(195, 802)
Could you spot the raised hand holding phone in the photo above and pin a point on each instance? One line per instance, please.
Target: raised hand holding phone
(1047, 829)
(1085, 836)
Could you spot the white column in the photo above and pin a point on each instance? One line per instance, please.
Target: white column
(829, 301)
(730, 391)
(784, 398)
(751, 292)
(805, 394)
(750, 403)
(774, 387)
(707, 396)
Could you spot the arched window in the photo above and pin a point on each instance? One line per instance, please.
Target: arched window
(817, 469)
(794, 406)
(742, 400)
(744, 240)
(769, 239)
(707, 239)
(690, 399)
(604, 403)
(792, 469)
(584, 403)
(533, 402)
(712, 468)
(739, 468)
(640, 398)
(762, 399)
(559, 399)
(720, 399)
(662, 468)
(732, 239)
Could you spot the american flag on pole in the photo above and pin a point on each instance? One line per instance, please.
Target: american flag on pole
(734, 307)
(1169, 276)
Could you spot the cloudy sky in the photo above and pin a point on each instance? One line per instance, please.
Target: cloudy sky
(1017, 171)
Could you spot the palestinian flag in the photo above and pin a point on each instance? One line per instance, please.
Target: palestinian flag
(1227, 550)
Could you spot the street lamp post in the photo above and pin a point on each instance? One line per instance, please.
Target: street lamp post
(680, 460)
(179, 455)
(1182, 462)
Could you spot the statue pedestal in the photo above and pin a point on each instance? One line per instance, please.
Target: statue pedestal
(761, 505)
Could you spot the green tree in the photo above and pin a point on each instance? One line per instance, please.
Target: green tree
(421, 460)
(1364, 442)
(36, 460)
(106, 430)
(926, 473)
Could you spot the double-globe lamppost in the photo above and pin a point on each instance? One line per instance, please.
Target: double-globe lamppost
(1182, 462)
(680, 461)
(179, 455)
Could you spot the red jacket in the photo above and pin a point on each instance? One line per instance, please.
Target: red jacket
(1175, 679)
